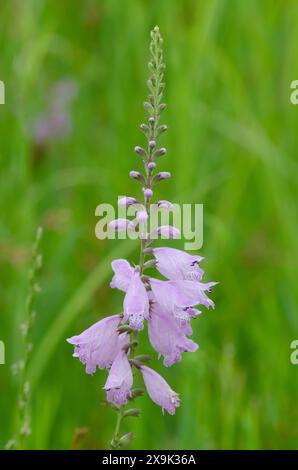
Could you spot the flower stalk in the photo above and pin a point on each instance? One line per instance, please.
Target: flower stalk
(21, 367)
(166, 306)
(152, 131)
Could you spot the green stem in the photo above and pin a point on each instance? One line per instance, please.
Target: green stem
(155, 96)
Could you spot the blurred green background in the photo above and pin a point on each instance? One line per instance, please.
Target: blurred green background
(232, 145)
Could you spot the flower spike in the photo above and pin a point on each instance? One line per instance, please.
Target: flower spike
(166, 308)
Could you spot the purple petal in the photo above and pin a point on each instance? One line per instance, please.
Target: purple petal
(98, 345)
(176, 264)
(121, 225)
(120, 380)
(177, 295)
(136, 302)
(159, 390)
(126, 201)
(163, 204)
(165, 231)
(123, 274)
(166, 337)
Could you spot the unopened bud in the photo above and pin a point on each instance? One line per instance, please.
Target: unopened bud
(150, 264)
(161, 107)
(142, 216)
(152, 144)
(139, 150)
(151, 166)
(121, 225)
(126, 201)
(132, 412)
(148, 251)
(126, 438)
(148, 193)
(137, 176)
(162, 129)
(144, 128)
(148, 107)
(160, 152)
(163, 175)
(165, 231)
(163, 204)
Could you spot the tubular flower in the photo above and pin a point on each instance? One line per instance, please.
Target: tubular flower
(136, 303)
(159, 390)
(166, 306)
(98, 345)
(179, 297)
(166, 337)
(176, 264)
(123, 274)
(120, 380)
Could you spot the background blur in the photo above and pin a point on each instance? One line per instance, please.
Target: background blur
(75, 75)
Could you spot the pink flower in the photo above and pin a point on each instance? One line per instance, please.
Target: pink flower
(177, 264)
(165, 231)
(142, 216)
(123, 274)
(98, 345)
(159, 390)
(163, 204)
(126, 201)
(120, 380)
(166, 337)
(178, 296)
(136, 303)
(121, 225)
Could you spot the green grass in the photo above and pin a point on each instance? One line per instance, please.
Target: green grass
(232, 145)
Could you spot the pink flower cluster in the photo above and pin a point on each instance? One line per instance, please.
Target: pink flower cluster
(168, 307)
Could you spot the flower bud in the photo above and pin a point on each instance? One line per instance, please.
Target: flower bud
(120, 225)
(139, 150)
(165, 231)
(132, 412)
(148, 107)
(163, 175)
(126, 201)
(151, 166)
(151, 120)
(126, 438)
(148, 193)
(142, 216)
(160, 152)
(161, 107)
(151, 263)
(162, 129)
(145, 129)
(136, 175)
(163, 204)
(152, 144)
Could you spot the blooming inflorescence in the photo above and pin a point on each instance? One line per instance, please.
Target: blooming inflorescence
(167, 306)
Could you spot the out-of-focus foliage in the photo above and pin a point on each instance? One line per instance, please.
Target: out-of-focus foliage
(232, 145)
